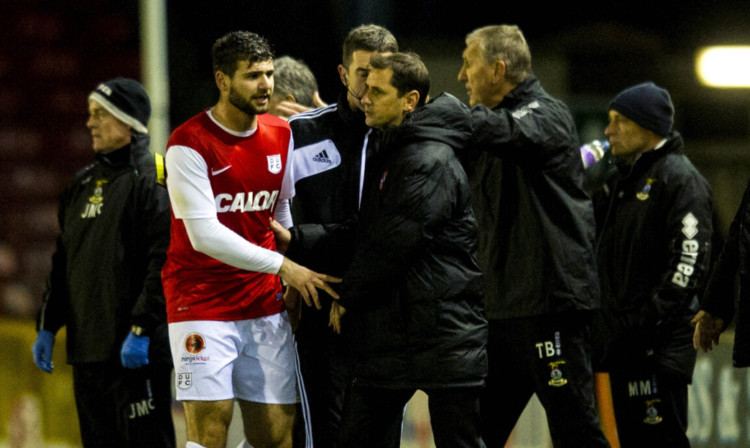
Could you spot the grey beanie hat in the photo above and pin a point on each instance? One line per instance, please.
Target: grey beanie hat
(648, 105)
(127, 100)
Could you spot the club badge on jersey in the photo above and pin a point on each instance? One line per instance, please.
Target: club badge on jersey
(274, 163)
(96, 201)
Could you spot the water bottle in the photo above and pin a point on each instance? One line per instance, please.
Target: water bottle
(593, 151)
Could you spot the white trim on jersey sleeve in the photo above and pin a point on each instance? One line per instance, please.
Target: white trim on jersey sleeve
(283, 213)
(189, 188)
(192, 201)
(287, 183)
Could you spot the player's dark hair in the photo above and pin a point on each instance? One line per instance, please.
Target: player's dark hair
(232, 48)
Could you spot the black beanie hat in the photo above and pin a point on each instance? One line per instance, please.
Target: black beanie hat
(648, 105)
(127, 100)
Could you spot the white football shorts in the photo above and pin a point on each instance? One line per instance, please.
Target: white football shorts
(253, 360)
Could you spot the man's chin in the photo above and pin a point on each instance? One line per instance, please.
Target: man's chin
(373, 124)
(264, 109)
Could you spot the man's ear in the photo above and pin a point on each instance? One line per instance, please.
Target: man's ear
(342, 75)
(499, 73)
(289, 97)
(411, 99)
(222, 80)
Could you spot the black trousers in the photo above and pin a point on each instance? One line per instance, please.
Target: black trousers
(124, 408)
(650, 407)
(373, 416)
(324, 368)
(549, 356)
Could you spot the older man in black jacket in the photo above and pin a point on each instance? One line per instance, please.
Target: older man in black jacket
(654, 225)
(105, 285)
(536, 243)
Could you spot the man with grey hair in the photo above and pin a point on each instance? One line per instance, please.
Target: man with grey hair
(294, 84)
(536, 243)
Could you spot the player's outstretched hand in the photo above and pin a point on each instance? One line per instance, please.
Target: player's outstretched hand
(307, 282)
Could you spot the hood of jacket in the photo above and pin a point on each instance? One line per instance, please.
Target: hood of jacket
(444, 119)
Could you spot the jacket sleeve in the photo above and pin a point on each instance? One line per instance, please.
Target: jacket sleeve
(153, 218)
(53, 313)
(688, 236)
(413, 202)
(720, 291)
(533, 134)
(312, 240)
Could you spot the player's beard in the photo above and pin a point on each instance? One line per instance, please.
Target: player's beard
(245, 104)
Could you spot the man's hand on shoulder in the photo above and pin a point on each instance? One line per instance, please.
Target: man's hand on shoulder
(286, 109)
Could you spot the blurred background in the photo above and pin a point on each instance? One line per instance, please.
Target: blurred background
(53, 53)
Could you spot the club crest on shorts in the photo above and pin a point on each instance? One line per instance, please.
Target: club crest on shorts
(274, 163)
(556, 375)
(194, 343)
(183, 380)
(652, 414)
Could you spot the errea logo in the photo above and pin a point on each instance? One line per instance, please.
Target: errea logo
(690, 226)
(525, 110)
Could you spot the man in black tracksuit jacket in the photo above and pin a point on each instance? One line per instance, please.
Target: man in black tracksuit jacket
(330, 144)
(105, 285)
(536, 244)
(654, 227)
(331, 148)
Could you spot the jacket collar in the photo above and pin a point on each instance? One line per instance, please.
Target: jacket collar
(520, 93)
(673, 145)
(128, 155)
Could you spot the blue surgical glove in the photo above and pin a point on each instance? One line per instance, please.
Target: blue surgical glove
(134, 353)
(42, 350)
